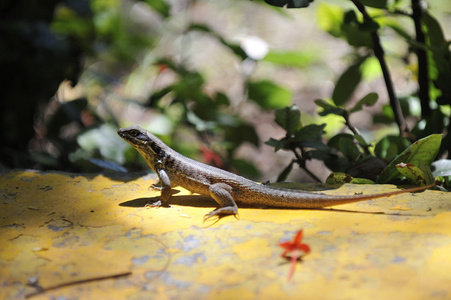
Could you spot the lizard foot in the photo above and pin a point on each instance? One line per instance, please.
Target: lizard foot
(155, 187)
(222, 212)
(156, 204)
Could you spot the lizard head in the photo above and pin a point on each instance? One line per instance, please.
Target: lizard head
(149, 146)
(135, 136)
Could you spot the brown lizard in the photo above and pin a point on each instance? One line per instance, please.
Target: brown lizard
(224, 187)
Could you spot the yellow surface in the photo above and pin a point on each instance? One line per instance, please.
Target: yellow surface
(59, 228)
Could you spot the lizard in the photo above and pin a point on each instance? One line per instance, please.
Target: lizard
(173, 168)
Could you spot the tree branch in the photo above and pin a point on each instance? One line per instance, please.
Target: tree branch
(379, 53)
(423, 69)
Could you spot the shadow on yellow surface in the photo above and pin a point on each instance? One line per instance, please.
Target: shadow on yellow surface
(60, 228)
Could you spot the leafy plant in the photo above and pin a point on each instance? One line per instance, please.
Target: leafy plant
(344, 152)
(361, 28)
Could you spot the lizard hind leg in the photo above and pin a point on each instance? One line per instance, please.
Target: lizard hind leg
(220, 192)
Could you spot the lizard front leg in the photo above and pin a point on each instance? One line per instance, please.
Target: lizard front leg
(221, 193)
(164, 186)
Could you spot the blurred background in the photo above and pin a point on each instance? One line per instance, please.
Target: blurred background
(204, 75)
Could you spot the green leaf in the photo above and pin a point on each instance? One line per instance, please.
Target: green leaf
(276, 144)
(160, 6)
(344, 143)
(346, 84)
(221, 99)
(338, 163)
(368, 100)
(318, 154)
(390, 146)
(440, 57)
(156, 96)
(350, 17)
(375, 3)
(419, 175)
(329, 108)
(269, 95)
(423, 150)
(357, 34)
(330, 18)
(311, 136)
(298, 59)
(289, 3)
(371, 69)
(289, 118)
(435, 31)
(361, 140)
(341, 178)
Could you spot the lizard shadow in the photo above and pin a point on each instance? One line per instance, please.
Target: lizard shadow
(205, 201)
(182, 200)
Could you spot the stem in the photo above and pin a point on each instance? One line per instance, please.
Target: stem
(379, 53)
(423, 69)
(301, 162)
(355, 132)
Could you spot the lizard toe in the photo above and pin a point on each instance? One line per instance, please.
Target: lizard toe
(221, 212)
(154, 204)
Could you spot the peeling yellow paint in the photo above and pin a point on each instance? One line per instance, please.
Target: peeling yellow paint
(256, 248)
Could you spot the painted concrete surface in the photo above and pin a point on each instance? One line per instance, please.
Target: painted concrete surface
(89, 236)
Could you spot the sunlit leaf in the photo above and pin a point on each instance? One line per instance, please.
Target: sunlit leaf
(292, 59)
(424, 150)
(419, 174)
(330, 18)
(341, 178)
(371, 69)
(268, 94)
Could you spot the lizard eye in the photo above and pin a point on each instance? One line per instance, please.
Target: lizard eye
(134, 133)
